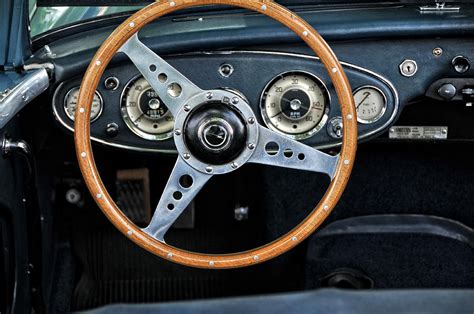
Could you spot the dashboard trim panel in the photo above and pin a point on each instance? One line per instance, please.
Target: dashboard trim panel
(384, 80)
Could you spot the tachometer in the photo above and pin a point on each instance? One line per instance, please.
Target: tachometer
(371, 104)
(295, 104)
(144, 112)
(70, 104)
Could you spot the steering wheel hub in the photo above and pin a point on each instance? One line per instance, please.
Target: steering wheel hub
(215, 133)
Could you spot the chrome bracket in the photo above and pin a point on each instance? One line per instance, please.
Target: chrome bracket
(440, 7)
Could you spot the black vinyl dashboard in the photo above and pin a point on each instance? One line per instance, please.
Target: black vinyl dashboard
(392, 56)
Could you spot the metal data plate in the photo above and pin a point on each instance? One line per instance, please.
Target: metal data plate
(419, 132)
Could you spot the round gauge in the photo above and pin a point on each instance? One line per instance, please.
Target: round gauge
(295, 104)
(144, 112)
(70, 104)
(371, 104)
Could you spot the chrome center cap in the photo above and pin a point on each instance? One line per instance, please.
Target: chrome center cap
(295, 104)
(216, 134)
(154, 103)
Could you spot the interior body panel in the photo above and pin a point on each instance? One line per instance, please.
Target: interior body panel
(401, 232)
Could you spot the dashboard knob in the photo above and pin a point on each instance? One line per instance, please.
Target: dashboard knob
(447, 91)
(335, 128)
(112, 129)
(461, 64)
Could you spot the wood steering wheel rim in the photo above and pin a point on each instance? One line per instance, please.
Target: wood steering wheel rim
(271, 250)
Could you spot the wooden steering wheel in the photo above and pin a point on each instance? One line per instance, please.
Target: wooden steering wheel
(210, 123)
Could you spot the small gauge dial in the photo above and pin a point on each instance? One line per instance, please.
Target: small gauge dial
(295, 104)
(144, 112)
(371, 104)
(70, 104)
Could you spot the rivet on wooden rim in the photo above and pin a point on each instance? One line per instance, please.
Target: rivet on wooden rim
(334, 70)
(81, 110)
(349, 117)
(346, 162)
(99, 196)
(211, 263)
(256, 258)
(130, 232)
(172, 3)
(305, 33)
(98, 62)
(325, 207)
(264, 7)
(294, 238)
(132, 24)
(170, 255)
(83, 154)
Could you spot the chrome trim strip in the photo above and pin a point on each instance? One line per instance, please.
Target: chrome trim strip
(288, 54)
(13, 100)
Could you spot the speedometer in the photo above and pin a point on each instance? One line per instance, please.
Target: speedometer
(295, 104)
(144, 112)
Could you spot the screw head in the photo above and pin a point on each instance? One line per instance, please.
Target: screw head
(438, 51)
(177, 132)
(235, 100)
(251, 145)
(234, 165)
(209, 169)
(186, 156)
(187, 108)
(209, 95)
(251, 120)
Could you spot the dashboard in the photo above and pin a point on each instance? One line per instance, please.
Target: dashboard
(290, 93)
(402, 60)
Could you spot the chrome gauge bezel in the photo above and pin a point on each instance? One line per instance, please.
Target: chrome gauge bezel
(382, 112)
(316, 128)
(129, 123)
(78, 88)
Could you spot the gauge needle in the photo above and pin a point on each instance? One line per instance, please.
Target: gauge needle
(368, 94)
(138, 118)
(279, 113)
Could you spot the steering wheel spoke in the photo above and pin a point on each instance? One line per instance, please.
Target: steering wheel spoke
(183, 185)
(278, 150)
(172, 86)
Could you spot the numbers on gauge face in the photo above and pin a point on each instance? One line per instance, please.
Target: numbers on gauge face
(370, 104)
(144, 112)
(70, 104)
(295, 104)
